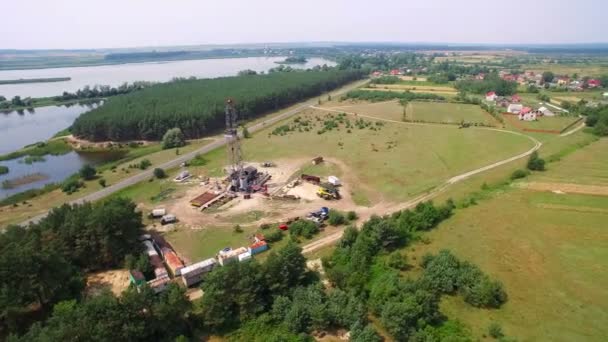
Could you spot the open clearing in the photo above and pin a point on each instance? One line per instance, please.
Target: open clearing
(447, 113)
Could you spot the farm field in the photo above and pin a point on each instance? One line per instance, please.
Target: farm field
(422, 88)
(447, 112)
(588, 166)
(569, 69)
(556, 123)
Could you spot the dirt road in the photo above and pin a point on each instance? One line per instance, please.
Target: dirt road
(330, 239)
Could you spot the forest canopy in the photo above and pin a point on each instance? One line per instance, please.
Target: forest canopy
(196, 106)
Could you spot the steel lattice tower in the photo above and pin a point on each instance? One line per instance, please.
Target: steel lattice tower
(233, 142)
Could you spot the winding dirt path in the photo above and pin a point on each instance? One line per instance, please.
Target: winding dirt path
(330, 239)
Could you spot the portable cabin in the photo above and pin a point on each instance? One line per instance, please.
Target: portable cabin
(136, 278)
(173, 261)
(317, 160)
(159, 284)
(244, 256)
(194, 273)
(258, 247)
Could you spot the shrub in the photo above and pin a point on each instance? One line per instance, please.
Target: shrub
(274, 236)
(102, 182)
(535, 163)
(87, 172)
(351, 215)
(173, 138)
(303, 228)
(160, 173)
(517, 174)
(71, 185)
(397, 261)
(336, 218)
(495, 330)
(237, 228)
(3, 170)
(144, 164)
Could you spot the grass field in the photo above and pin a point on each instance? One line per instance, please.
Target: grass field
(587, 166)
(550, 251)
(553, 263)
(592, 70)
(422, 88)
(555, 123)
(397, 161)
(447, 112)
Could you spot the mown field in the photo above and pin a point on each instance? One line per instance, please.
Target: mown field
(447, 112)
(550, 251)
(440, 89)
(582, 69)
(556, 123)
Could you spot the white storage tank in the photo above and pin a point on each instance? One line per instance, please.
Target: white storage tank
(333, 180)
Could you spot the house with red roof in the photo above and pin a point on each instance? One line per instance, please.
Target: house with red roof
(395, 72)
(377, 73)
(527, 114)
(491, 96)
(594, 83)
(516, 98)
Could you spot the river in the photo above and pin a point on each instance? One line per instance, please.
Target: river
(115, 75)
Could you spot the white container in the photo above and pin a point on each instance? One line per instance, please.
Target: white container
(159, 212)
(333, 180)
(244, 256)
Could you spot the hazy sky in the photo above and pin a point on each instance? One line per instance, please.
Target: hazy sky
(38, 24)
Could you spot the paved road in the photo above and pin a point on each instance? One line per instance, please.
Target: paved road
(185, 157)
(333, 238)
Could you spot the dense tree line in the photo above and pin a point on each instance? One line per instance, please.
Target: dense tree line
(408, 309)
(102, 91)
(492, 82)
(197, 106)
(597, 118)
(43, 263)
(378, 95)
(134, 316)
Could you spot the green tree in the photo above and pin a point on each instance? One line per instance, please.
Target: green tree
(285, 269)
(246, 133)
(160, 173)
(548, 76)
(87, 172)
(173, 138)
(535, 163)
(102, 182)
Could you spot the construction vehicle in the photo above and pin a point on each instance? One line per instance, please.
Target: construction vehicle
(328, 193)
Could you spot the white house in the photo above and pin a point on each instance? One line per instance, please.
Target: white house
(605, 94)
(545, 111)
(515, 108)
(491, 96)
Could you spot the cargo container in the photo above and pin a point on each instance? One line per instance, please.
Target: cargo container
(244, 256)
(194, 273)
(173, 261)
(227, 256)
(160, 284)
(311, 179)
(258, 247)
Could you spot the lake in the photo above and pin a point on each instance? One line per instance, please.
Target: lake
(115, 75)
(55, 168)
(21, 128)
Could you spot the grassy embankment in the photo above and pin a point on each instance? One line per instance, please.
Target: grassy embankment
(111, 172)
